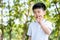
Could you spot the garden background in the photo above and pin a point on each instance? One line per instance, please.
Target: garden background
(16, 15)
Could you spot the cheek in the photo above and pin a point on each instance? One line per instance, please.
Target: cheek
(34, 15)
(42, 13)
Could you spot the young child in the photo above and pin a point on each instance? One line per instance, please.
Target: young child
(40, 29)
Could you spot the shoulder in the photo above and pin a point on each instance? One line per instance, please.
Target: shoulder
(32, 23)
(48, 22)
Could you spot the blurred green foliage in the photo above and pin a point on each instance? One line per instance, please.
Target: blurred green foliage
(19, 15)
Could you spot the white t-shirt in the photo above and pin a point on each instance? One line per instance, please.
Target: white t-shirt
(36, 32)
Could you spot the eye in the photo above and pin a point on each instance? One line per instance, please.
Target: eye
(40, 16)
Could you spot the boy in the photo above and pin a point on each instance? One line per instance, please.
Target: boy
(40, 29)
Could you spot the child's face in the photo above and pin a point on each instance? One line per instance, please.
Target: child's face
(39, 12)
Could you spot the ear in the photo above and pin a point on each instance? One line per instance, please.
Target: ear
(44, 12)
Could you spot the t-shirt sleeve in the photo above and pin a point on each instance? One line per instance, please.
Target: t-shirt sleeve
(49, 25)
(29, 33)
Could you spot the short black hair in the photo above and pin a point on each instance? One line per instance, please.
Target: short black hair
(39, 5)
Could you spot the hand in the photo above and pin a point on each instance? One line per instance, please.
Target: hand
(39, 19)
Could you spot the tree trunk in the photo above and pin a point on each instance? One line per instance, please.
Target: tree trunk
(1, 34)
(10, 34)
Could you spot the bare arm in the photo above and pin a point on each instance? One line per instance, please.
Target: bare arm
(29, 38)
(45, 28)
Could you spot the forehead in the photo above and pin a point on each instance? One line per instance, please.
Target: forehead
(38, 9)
